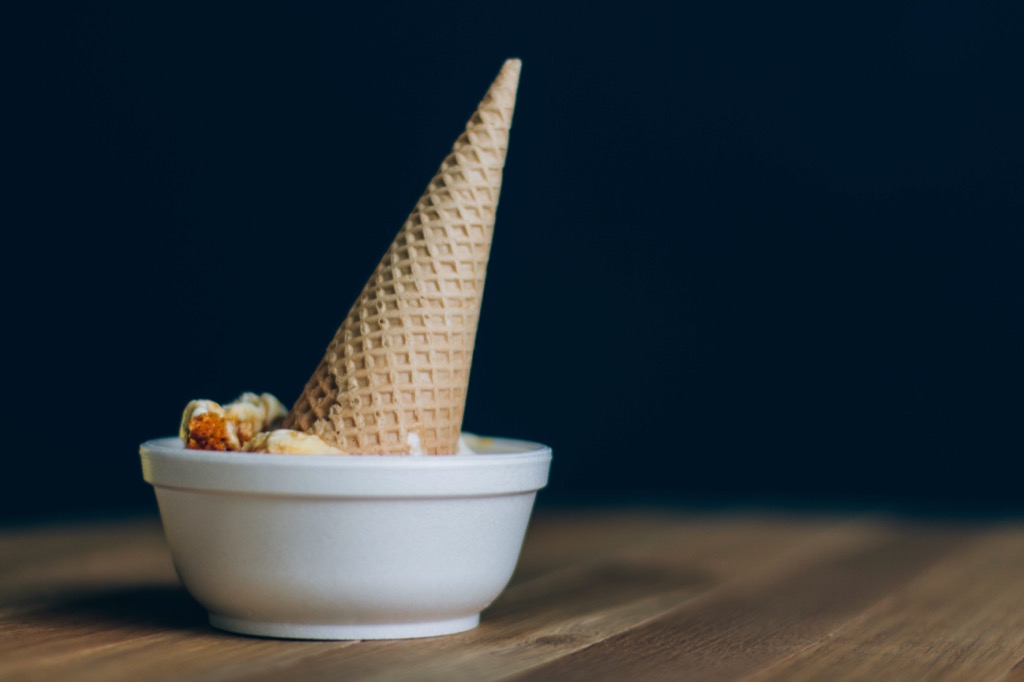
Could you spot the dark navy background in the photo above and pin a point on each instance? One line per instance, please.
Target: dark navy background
(743, 252)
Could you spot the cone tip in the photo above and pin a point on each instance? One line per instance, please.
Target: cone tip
(507, 81)
(510, 69)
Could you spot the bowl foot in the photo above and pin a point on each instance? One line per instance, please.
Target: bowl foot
(431, 628)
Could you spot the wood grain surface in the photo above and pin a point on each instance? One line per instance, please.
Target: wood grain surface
(598, 595)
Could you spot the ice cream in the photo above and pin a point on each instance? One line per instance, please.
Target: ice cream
(248, 423)
(394, 377)
(206, 425)
(288, 442)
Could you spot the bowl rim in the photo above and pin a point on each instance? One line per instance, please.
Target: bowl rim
(505, 466)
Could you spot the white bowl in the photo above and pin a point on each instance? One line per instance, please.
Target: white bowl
(345, 547)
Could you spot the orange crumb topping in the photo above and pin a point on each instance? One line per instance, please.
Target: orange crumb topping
(209, 431)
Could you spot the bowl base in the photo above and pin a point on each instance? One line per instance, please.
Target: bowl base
(430, 628)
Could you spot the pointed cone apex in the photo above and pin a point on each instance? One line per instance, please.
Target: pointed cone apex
(398, 367)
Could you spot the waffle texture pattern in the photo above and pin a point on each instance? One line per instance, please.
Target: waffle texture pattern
(399, 364)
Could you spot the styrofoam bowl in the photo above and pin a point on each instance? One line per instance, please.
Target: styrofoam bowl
(341, 546)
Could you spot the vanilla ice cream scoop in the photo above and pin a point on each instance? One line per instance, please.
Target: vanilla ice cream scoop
(288, 442)
(251, 422)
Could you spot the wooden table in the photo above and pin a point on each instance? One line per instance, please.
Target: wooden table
(603, 595)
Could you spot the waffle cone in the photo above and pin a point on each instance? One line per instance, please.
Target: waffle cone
(399, 364)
